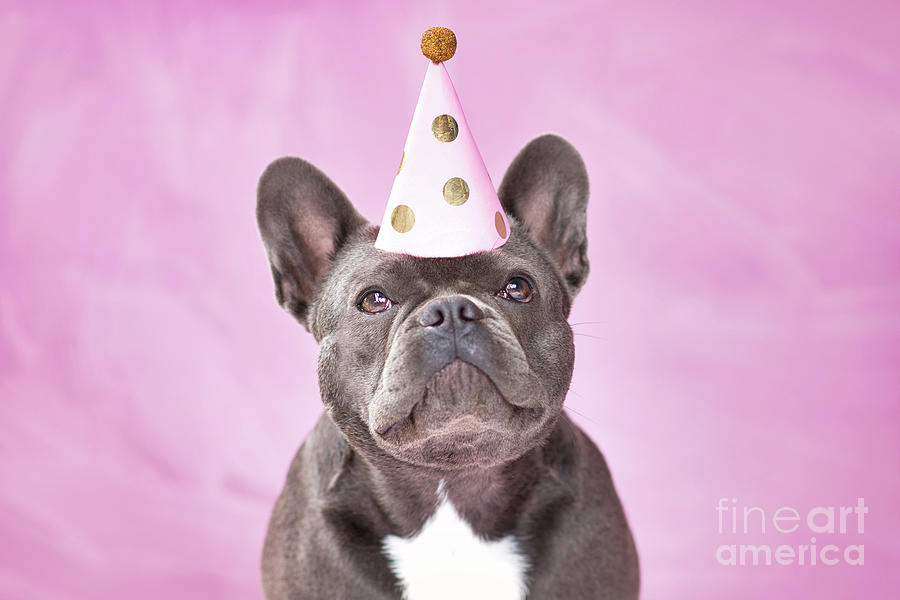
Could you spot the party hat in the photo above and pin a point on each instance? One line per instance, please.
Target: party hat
(443, 203)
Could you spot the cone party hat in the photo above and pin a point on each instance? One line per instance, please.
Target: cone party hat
(443, 203)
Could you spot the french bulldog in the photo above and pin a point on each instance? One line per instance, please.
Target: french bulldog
(444, 465)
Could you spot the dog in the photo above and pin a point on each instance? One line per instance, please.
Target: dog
(444, 465)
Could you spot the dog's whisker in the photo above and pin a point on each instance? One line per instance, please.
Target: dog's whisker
(596, 337)
(581, 414)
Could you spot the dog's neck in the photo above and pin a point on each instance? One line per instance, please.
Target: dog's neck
(490, 499)
(396, 498)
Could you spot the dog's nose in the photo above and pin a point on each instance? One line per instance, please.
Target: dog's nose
(452, 312)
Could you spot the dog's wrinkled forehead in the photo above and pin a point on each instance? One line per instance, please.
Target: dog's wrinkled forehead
(359, 267)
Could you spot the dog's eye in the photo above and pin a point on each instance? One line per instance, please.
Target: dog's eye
(374, 302)
(518, 289)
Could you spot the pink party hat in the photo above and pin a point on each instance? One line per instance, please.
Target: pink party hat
(443, 203)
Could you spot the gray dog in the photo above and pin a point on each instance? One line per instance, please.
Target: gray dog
(444, 466)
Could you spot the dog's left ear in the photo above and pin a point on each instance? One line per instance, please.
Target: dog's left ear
(546, 190)
(304, 219)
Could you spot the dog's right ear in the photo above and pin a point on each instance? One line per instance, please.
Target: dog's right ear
(304, 219)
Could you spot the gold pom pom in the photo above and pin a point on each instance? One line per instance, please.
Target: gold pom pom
(439, 44)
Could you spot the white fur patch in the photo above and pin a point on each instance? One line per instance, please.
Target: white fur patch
(447, 560)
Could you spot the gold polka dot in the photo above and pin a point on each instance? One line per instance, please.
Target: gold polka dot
(500, 224)
(400, 168)
(456, 191)
(444, 128)
(402, 218)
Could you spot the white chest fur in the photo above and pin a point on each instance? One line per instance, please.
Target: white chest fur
(447, 560)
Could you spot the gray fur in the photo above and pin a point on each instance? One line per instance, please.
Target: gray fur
(452, 383)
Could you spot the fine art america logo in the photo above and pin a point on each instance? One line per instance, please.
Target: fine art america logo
(787, 524)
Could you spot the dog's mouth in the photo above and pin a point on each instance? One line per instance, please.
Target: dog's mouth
(461, 416)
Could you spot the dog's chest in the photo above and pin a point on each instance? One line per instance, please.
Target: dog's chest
(447, 560)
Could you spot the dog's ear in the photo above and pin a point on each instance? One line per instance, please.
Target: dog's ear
(304, 219)
(546, 190)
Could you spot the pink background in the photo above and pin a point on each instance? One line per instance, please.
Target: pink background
(739, 334)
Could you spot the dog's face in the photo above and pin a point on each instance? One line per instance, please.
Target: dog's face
(439, 362)
(445, 361)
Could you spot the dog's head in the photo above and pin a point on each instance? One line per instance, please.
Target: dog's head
(439, 362)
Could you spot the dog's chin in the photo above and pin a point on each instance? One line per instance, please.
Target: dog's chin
(464, 421)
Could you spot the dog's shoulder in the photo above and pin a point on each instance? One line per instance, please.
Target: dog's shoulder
(569, 453)
(581, 522)
(315, 520)
(284, 546)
